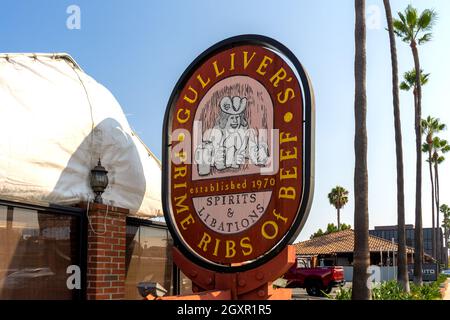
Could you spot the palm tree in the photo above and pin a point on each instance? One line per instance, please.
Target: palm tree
(445, 209)
(409, 81)
(338, 198)
(439, 148)
(415, 29)
(402, 258)
(430, 127)
(360, 289)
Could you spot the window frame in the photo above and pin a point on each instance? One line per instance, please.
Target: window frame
(138, 222)
(49, 208)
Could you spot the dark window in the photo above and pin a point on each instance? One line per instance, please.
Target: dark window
(148, 258)
(412, 235)
(36, 248)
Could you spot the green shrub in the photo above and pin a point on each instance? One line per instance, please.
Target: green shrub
(428, 291)
(391, 290)
(343, 294)
(442, 278)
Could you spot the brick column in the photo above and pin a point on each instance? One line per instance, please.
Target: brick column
(106, 252)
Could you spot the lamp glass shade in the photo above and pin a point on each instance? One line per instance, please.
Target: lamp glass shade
(99, 180)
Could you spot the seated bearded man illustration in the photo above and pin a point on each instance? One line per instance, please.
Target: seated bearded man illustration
(231, 141)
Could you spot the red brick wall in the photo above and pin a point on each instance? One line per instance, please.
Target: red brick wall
(106, 252)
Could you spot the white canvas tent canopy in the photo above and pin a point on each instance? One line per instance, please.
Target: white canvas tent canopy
(55, 123)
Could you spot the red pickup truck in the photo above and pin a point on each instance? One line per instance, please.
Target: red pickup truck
(317, 280)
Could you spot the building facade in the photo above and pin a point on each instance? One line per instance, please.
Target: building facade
(61, 252)
(337, 248)
(59, 127)
(390, 232)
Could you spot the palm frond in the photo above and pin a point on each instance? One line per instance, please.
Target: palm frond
(404, 86)
(424, 19)
(443, 144)
(410, 78)
(338, 197)
(430, 127)
(401, 29)
(425, 147)
(402, 18)
(424, 77)
(412, 27)
(425, 38)
(436, 142)
(411, 17)
(424, 124)
(427, 19)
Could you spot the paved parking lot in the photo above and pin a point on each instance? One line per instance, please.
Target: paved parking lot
(300, 294)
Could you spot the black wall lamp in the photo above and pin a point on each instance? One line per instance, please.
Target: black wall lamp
(99, 181)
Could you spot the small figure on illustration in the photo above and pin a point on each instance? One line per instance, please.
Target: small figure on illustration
(231, 141)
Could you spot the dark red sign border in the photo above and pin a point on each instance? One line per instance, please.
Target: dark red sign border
(308, 145)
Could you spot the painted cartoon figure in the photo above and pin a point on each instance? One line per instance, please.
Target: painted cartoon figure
(231, 141)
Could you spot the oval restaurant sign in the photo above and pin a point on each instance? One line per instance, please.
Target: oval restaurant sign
(237, 174)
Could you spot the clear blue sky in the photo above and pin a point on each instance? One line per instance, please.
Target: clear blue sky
(138, 50)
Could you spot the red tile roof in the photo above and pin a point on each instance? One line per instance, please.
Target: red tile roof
(343, 242)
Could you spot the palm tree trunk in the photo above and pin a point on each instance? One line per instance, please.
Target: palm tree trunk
(360, 290)
(433, 232)
(402, 275)
(445, 245)
(418, 233)
(339, 219)
(438, 226)
(446, 232)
